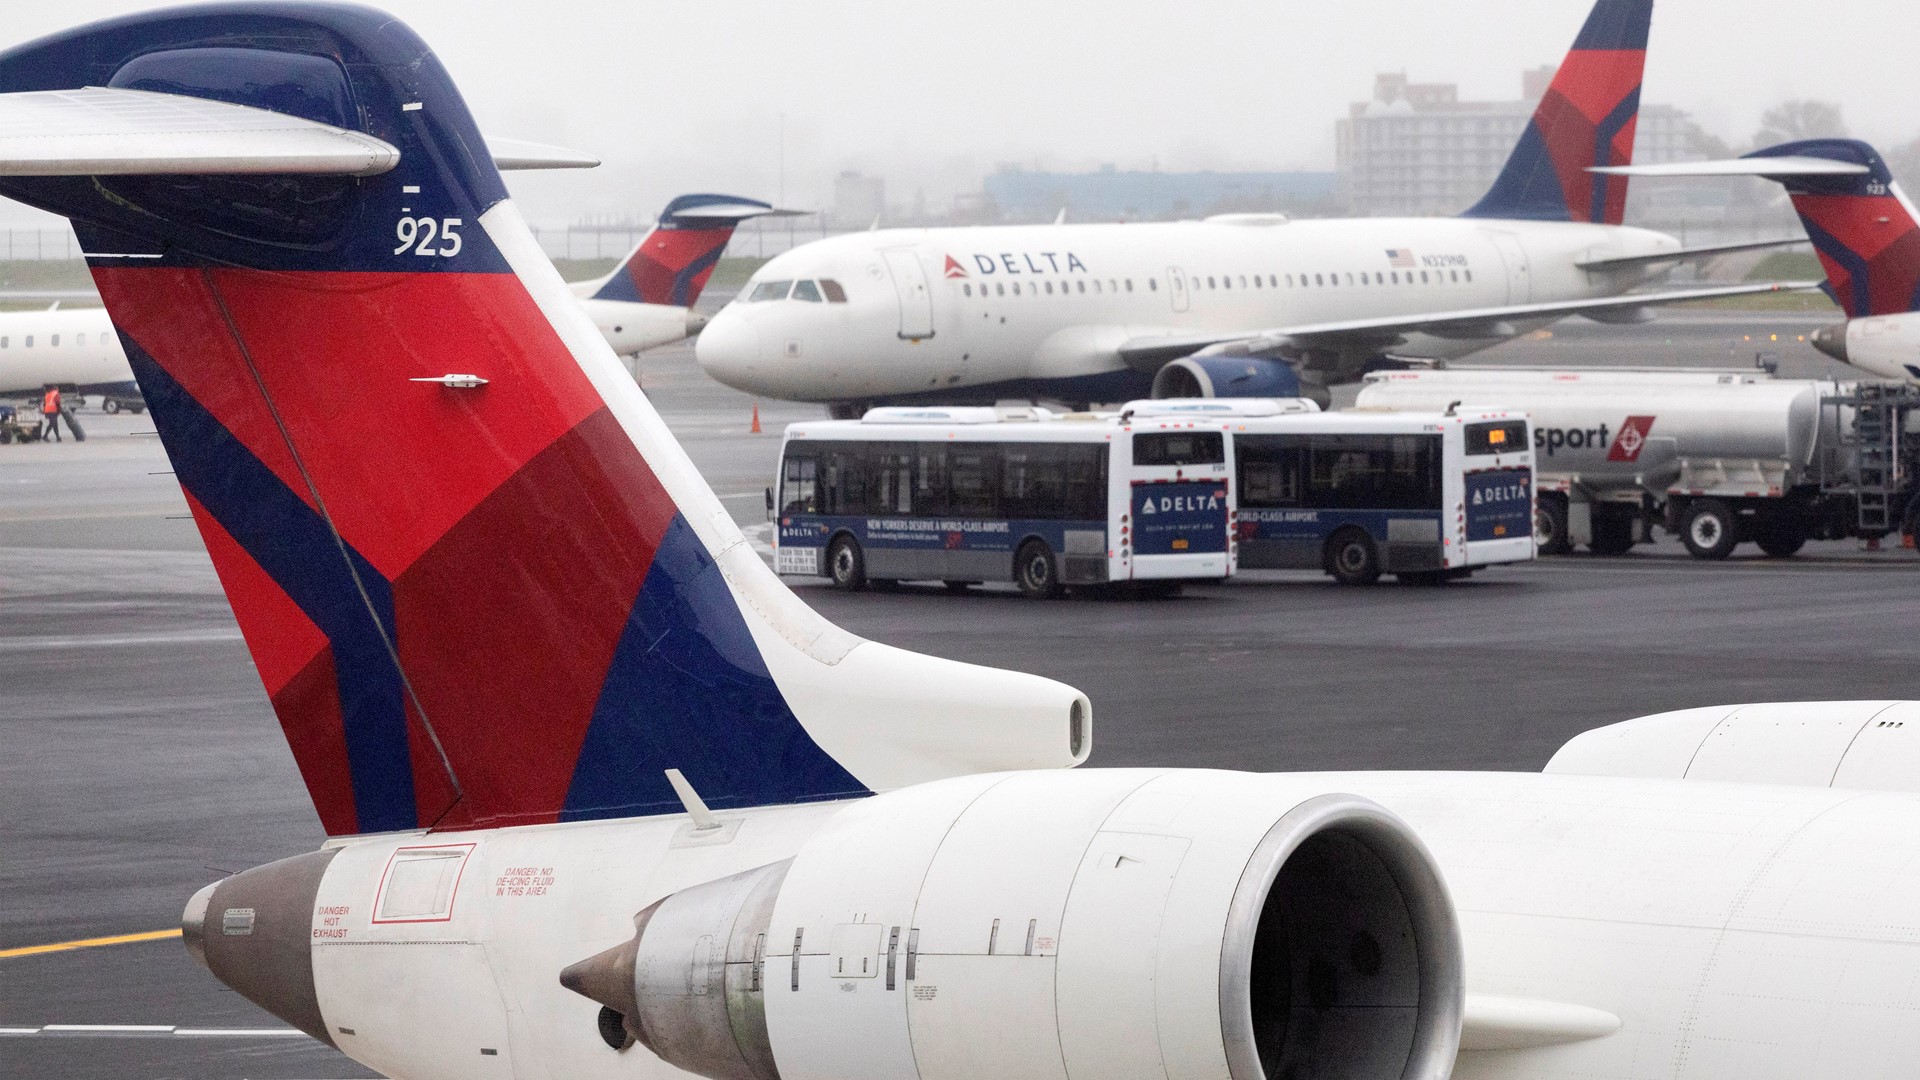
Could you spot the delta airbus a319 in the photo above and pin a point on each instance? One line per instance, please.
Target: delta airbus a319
(1242, 305)
(602, 798)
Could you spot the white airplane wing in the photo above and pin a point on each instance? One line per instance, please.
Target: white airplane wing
(1150, 352)
(1694, 254)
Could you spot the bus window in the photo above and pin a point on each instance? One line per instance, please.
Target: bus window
(1372, 472)
(973, 479)
(1179, 448)
(797, 489)
(1269, 470)
(1497, 437)
(1054, 482)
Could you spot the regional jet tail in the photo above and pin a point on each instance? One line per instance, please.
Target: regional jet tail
(507, 599)
(648, 299)
(1864, 229)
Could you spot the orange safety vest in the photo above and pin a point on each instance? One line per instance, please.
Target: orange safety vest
(51, 403)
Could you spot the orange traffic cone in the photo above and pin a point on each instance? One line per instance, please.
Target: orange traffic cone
(755, 429)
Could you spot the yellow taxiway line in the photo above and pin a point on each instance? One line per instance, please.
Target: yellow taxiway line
(88, 943)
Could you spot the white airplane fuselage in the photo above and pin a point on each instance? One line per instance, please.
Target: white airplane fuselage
(1017, 311)
(74, 347)
(1732, 930)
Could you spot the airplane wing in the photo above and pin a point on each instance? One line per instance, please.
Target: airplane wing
(1149, 353)
(1626, 262)
(1746, 166)
(512, 154)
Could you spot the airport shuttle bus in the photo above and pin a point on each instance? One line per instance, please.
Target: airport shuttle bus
(1160, 493)
(963, 495)
(1423, 496)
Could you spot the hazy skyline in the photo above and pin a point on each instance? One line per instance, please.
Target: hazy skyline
(932, 97)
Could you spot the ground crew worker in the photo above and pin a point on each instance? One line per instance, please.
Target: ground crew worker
(50, 411)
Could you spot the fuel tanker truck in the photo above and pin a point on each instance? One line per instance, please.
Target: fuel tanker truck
(1718, 456)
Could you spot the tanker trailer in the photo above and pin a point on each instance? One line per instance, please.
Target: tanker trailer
(1718, 456)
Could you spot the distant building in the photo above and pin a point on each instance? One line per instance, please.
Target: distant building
(1111, 194)
(858, 199)
(1416, 149)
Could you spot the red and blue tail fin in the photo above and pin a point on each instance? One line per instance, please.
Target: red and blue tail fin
(673, 262)
(1586, 119)
(482, 583)
(1862, 226)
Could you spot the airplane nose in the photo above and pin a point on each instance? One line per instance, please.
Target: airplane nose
(1832, 340)
(728, 349)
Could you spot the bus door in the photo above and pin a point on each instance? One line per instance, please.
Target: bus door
(1179, 515)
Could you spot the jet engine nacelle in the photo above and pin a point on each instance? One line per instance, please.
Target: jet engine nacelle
(1092, 926)
(1227, 377)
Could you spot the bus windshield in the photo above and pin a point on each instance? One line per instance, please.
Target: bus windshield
(1497, 437)
(1179, 448)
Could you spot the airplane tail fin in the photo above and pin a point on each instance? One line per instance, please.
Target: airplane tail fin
(1862, 225)
(672, 263)
(1586, 119)
(482, 583)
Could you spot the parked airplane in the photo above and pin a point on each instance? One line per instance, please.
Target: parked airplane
(605, 799)
(1865, 231)
(1241, 305)
(646, 301)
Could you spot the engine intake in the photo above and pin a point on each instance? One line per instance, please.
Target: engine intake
(1079, 926)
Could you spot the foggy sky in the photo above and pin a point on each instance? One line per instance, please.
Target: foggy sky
(931, 96)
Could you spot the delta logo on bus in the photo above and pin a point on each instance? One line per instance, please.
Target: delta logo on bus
(1499, 504)
(1180, 518)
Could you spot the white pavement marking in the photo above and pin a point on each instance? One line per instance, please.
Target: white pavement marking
(104, 641)
(167, 1031)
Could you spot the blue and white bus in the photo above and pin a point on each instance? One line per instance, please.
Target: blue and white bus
(1424, 497)
(1148, 497)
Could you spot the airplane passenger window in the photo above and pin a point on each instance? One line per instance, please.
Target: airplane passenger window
(1210, 283)
(1318, 280)
(1423, 277)
(1016, 288)
(806, 290)
(29, 341)
(1153, 284)
(1273, 281)
(1454, 275)
(1113, 285)
(56, 341)
(1469, 277)
(1049, 288)
(1096, 284)
(1243, 281)
(1129, 284)
(967, 289)
(1289, 281)
(1349, 279)
(1000, 289)
(1226, 281)
(3, 343)
(769, 290)
(1332, 279)
(838, 295)
(1396, 277)
(1083, 286)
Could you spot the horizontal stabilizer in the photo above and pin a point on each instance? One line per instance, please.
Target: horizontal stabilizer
(103, 131)
(1626, 262)
(519, 154)
(1746, 166)
(740, 211)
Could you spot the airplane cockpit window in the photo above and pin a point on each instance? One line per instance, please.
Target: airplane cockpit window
(834, 293)
(806, 290)
(769, 290)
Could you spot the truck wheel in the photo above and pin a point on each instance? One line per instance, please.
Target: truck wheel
(1550, 524)
(109, 406)
(846, 565)
(1034, 571)
(1709, 531)
(1352, 558)
(1612, 533)
(1783, 542)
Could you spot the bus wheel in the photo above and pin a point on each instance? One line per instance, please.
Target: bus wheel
(1034, 571)
(846, 565)
(1709, 531)
(1783, 542)
(1352, 559)
(1550, 524)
